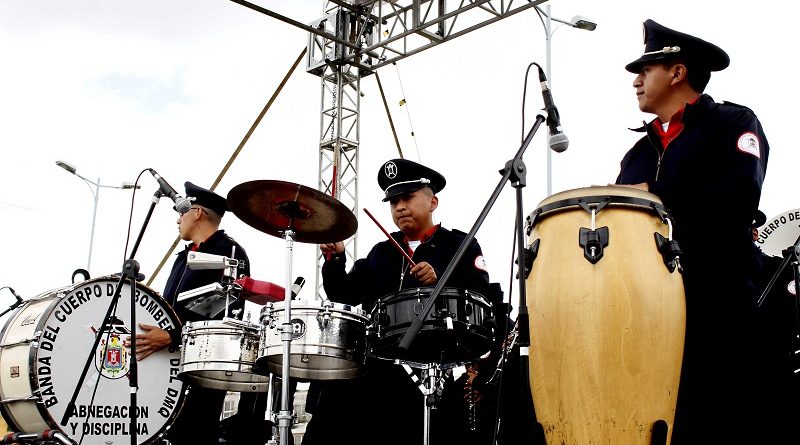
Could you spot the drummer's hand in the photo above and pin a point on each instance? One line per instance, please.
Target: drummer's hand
(640, 186)
(152, 340)
(424, 273)
(332, 248)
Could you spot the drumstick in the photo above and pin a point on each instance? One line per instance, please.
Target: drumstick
(397, 246)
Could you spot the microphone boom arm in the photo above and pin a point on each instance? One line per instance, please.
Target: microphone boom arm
(514, 168)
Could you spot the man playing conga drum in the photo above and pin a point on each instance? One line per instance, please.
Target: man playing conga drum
(707, 162)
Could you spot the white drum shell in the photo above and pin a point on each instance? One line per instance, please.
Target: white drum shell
(220, 354)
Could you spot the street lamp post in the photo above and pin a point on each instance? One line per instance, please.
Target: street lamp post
(576, 22)
(96, 195)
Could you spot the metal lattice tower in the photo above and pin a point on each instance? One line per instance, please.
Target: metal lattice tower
(340, 105)
(351, 41)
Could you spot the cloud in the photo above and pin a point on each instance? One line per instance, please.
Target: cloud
(146, 93)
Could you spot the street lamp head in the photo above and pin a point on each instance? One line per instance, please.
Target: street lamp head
(581, 22)
(68, 167)
(129, 185)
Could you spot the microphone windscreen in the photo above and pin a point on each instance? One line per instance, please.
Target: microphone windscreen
(558, 142)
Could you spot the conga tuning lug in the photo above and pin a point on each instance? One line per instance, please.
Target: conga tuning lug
(670, 251)
(529, 255)
(593, 242)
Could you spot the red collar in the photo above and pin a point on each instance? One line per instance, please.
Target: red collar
(675, 125)
(425, 236)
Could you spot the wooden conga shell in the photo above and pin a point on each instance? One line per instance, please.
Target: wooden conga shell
(606, 338)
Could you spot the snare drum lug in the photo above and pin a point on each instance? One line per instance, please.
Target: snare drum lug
(593, 242)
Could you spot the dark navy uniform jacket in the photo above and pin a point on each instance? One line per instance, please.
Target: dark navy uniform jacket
(181, 278)
(709, 177)
(385, 270)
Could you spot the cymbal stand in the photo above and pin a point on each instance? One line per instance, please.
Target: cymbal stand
(431, 385)
(285, 414)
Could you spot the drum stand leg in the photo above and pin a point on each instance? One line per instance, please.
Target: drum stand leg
(431, 385)
(285, 415)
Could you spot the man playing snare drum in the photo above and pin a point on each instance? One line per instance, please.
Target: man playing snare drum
(707, 162)
(385, 406)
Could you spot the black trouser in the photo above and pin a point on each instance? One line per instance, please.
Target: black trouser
(198, 420)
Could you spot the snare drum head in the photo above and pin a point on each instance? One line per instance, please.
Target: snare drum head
(66, 323)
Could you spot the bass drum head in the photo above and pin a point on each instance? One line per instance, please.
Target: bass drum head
(45, 348)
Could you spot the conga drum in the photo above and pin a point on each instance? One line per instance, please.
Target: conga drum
(607, 317)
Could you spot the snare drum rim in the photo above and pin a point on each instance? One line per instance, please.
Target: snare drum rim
(426, 291)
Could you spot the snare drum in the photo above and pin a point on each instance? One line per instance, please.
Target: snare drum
(328, 340)
(220, 354)
(607, 318)
(43, 348)
(464, 338)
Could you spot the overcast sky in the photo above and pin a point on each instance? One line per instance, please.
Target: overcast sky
(114, 87)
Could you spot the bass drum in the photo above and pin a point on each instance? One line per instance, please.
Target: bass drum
(43, 349)
(607, 317)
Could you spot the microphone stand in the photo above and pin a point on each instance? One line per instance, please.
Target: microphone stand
(515, 172)
(790, 255)
(15, 304)
(130, 270)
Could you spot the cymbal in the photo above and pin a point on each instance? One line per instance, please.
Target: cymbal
(273, 207)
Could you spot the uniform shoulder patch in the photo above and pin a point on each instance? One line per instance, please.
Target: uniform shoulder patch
(480, 263)
(748, 143)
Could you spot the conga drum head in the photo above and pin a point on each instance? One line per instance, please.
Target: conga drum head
(43, 350)
(607, 317)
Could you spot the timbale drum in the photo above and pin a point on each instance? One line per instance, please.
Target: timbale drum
(607, 317)
(329, 340)
(43, 349)
(220, 354)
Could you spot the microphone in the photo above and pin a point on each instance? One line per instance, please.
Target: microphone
(557, 141)
(182, 205)
(298, 284)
